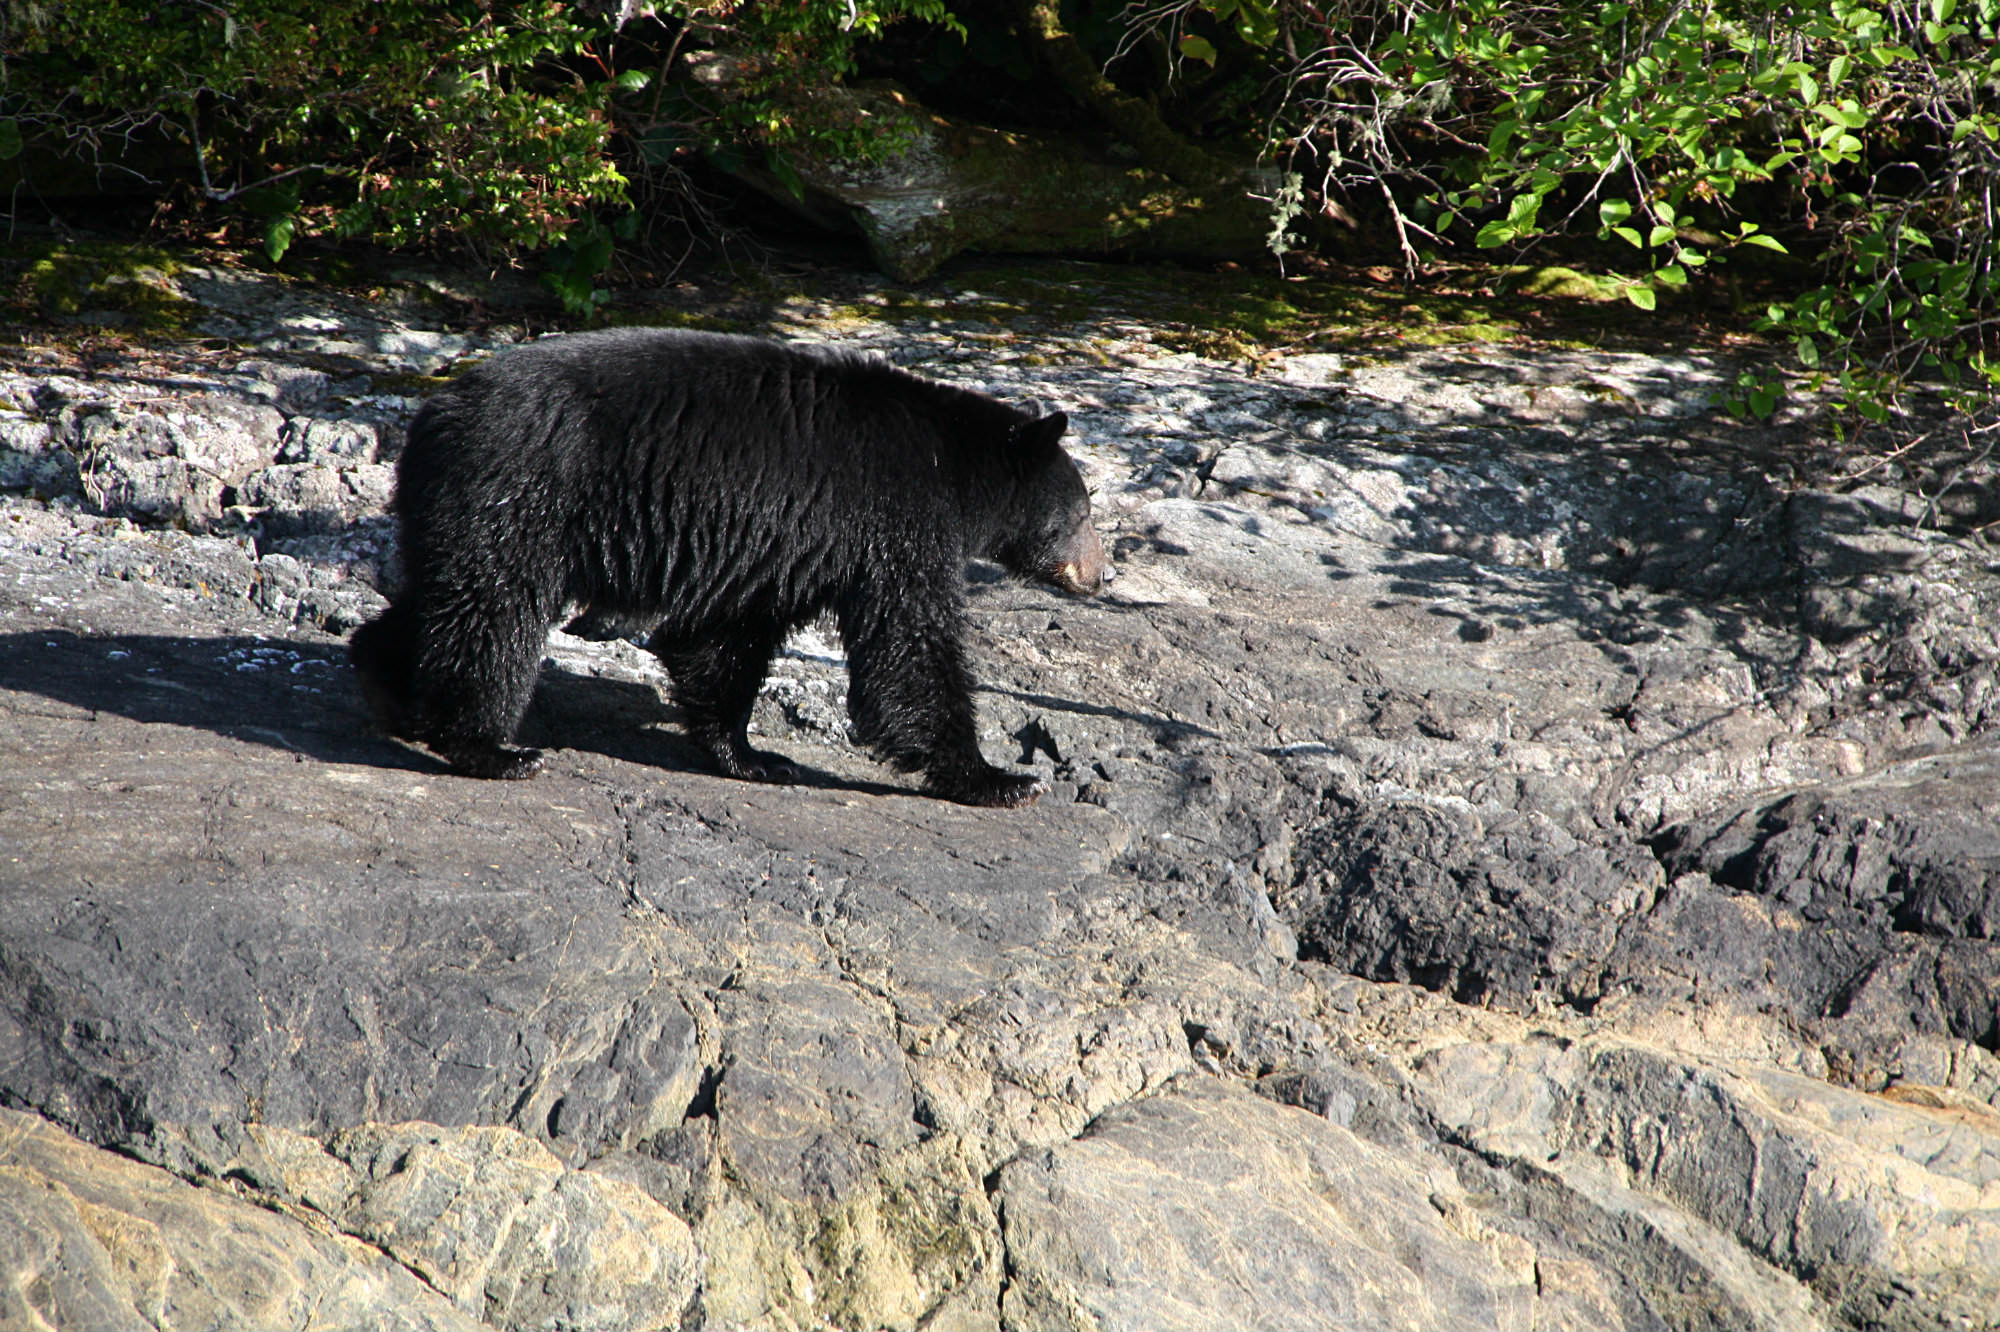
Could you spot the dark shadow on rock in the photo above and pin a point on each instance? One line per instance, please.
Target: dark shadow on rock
(629, 721)
(1159, 725)
(1856, 911)
(302, 697)
(1640, 484)
(1915, 850)
(1515, 598)
(283, 693)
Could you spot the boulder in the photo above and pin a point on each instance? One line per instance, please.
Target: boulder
(943, 186)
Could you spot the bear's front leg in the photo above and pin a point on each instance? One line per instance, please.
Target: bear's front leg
(715, 684)
(910, 695)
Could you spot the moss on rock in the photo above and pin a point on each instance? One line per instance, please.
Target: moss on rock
(120, 286)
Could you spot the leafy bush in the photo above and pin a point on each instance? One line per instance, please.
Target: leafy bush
(417, 121)
(1860, 134)
(395, 119)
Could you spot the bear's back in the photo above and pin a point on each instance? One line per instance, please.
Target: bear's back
(645, 463)
(706, 407)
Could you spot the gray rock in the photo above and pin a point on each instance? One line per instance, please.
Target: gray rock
(315, 499)
(1892, 877)
(1505, 913)
(1913, 847)
(1201, 1207)
(1508, 862)
(290, 387)
(949, 186)
(1764, 1159)
(30, 459)
(494, 1222)
(333, 442)
(92, 1240)
(170, 460)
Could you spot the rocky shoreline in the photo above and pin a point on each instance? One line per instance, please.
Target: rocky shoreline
(1522, 851)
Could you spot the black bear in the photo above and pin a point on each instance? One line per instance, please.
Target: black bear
(720, 491)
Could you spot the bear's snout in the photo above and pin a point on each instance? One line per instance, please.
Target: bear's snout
(1085, 571)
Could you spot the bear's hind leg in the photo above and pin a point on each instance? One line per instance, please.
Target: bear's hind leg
(384, 653)
(477, 670)
(715, 684)
(486, 758)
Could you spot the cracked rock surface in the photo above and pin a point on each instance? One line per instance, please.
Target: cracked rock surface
(1519, 854)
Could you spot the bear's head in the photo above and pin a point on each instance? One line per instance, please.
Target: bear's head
(1051, 537)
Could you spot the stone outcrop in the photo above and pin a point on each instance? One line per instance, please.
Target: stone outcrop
(1512, 860)
(941, 187)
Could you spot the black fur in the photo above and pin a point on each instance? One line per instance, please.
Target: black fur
(720, 491)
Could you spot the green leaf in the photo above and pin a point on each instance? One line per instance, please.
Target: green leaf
(1641, 296)
(1659, 235)
(1848, 113)
(278, 237)
(1808, 88)
(1195, 47)
(634, 80)
(1613, 211)
(592, 255)
(354, 220)
(1257, 23)
(1630, 237)
(10, 139)
(1836, 70)
(1763, 401)
(1495, 233)
(1808, 352)
(1673, 275)
(1768, 242)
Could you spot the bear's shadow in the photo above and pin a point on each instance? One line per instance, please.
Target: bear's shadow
(632, 722)
(302, 697)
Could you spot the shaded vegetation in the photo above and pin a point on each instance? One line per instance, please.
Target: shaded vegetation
(1835, 168)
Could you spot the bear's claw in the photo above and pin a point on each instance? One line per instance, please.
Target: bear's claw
(994, 788)
(503, 762)
(759, 766)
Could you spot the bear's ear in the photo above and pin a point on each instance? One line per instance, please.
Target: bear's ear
(1042, 432)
